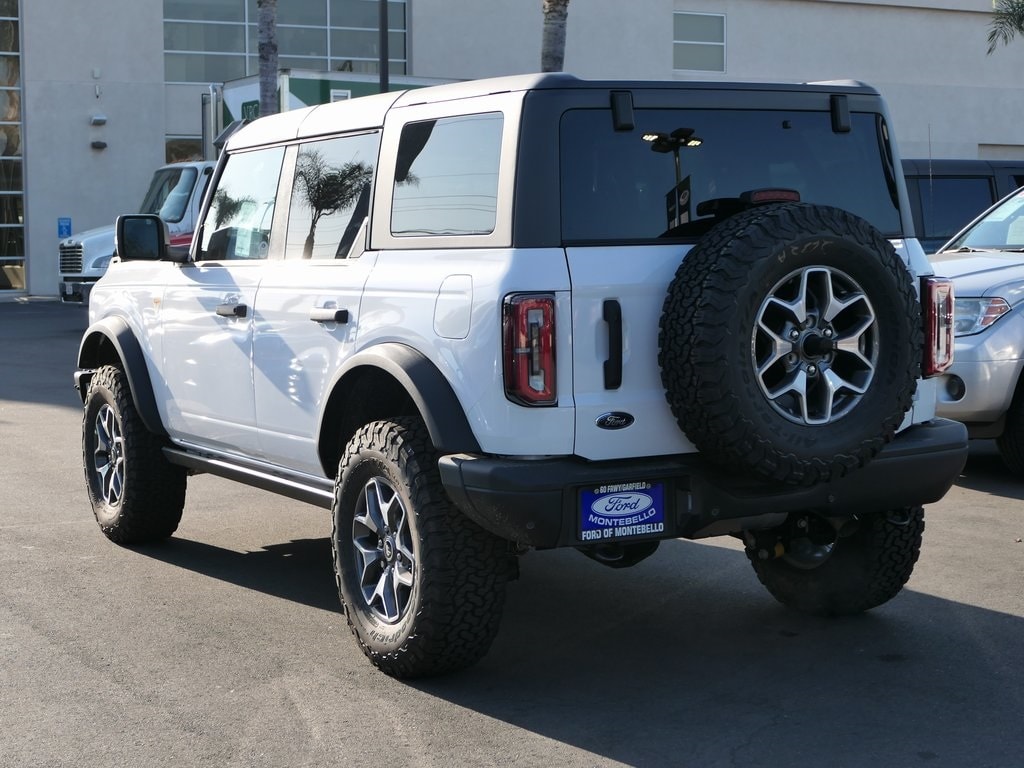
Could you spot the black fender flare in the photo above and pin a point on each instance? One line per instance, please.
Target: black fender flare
(429, 390)
(116, 332)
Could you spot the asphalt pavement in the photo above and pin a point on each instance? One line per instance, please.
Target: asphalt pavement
(224, 646)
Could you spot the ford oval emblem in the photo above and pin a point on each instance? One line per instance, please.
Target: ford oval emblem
(614, 420)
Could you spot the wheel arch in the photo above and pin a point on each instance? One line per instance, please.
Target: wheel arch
(392, 380)
(111, 342)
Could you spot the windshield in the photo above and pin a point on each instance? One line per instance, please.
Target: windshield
(169, 193)
(680, 171)
(1001, 229)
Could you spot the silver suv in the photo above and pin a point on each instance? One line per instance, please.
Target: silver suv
(539, 312)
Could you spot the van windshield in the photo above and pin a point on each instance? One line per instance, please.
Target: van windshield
(680, 171)
(169, 193)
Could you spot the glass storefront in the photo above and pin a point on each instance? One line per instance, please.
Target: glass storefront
(211, 41)
(12, 189)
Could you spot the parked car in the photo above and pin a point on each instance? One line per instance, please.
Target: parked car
(536, 312)
(983, 387)
(175, 193)
(947, 194)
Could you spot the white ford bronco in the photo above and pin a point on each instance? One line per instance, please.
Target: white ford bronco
(536, 312)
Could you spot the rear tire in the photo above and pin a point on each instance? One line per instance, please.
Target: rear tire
(853, 574)
(137, 496)
(422, 586)
(1011, 442)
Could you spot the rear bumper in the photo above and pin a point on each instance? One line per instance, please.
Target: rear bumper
(536, 502)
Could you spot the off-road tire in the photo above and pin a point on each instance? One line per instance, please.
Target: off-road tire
(137, 496)
(864, 570)
(713, 320)
(448, 615)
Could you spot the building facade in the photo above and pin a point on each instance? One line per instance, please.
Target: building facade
(95, 95)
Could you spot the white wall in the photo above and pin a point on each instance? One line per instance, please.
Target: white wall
(71, 49)
(928, 58)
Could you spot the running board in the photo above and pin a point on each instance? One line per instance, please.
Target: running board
(319, 493)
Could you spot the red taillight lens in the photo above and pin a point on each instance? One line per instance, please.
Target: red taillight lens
(937, 298)
(529, 349)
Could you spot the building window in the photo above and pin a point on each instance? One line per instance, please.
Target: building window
(698, 42)
(12, 190)
(211, 41)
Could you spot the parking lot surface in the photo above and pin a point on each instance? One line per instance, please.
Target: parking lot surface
(225, 646)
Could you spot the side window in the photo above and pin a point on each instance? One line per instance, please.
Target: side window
(330, 196)
(446, 179)
(948, 204)
(237, 223)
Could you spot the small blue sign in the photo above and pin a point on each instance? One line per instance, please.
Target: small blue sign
(64, 227)
(622, 511)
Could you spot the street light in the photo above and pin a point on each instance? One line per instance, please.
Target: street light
(671, 142)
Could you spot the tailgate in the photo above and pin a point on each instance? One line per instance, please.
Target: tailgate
(636, 278)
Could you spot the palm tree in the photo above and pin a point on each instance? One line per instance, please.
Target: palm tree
(552, 46)
(1007, 21)
(266, 34)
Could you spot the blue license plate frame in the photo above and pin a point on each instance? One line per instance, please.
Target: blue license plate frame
(621, 511)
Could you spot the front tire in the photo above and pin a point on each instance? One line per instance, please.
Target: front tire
(137, 496)
(864, 564)
(421, 585)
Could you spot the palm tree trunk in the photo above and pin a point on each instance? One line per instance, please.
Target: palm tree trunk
(266, 35)
(552, 47)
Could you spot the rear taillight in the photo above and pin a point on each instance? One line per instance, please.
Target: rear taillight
(529, 348)
(937, 299)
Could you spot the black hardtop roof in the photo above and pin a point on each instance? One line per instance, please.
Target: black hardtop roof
(369, 111)
(562, 80)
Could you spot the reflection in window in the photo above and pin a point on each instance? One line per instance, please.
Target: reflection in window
(614, 187)
(238, 222)
(12, 201)
(447, 176)
(169, 193)
(215, 40)
(330, 196)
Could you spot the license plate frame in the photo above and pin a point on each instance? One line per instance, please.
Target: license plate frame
(621, 511)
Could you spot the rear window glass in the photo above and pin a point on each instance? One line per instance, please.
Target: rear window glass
(663, 178)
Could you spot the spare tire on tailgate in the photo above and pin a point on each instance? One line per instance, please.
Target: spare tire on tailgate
(790, 343)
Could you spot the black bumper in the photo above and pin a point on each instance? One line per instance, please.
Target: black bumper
(535, 502)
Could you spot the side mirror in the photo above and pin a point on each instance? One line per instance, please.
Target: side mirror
(144, 237)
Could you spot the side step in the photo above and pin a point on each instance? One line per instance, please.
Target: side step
(316, 491)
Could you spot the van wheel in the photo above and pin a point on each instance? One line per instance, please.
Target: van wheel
(790, 343)
(137, 496)
(421, 585)
(808, 566)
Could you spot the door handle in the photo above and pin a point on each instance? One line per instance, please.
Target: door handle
(232, 310)
(612, 313)
(328, 315)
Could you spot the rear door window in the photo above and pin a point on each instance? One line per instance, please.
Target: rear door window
(446, 180)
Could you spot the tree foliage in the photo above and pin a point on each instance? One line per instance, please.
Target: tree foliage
(1007, 21)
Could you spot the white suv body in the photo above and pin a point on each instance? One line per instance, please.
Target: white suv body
(474, 277)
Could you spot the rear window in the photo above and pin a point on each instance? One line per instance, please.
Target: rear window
(660, 179)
